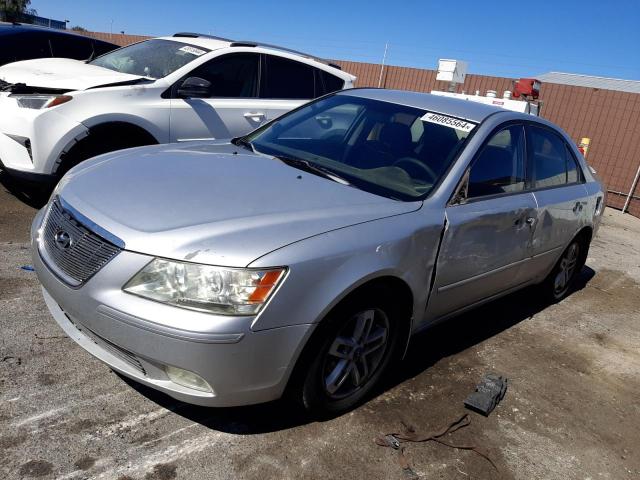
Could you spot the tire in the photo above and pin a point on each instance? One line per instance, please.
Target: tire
(349, 354)
(560, 281)
(102, 140)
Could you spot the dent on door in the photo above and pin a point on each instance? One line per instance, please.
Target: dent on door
(483, 250)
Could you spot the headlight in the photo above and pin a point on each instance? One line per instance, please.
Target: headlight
(41, 101)
(225, 291)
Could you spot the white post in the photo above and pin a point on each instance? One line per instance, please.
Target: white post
(633, 187)
(384, 58)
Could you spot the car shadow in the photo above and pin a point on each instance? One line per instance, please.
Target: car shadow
(425, 349)
(35, 195)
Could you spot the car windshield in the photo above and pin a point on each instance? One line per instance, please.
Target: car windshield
(152, 58)
(387, 149)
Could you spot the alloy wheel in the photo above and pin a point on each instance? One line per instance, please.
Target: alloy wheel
(566, 269)
(356, 353)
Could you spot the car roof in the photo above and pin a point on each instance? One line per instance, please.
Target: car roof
(464, 109)
(13, 28)
(215, 43)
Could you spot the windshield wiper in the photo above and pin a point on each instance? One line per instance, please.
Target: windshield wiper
(312, 168)
(242, 142)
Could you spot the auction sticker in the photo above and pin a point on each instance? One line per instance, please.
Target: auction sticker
(192, 50)
(447, 121)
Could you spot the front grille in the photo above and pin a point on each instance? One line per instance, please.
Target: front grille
(70, 249)
(118, 352)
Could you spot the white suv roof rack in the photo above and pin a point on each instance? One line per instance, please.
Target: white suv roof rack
(251, 43)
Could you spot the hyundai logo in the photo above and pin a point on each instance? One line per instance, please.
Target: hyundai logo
(63, 240)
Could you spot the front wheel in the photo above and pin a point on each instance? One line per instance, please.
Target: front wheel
(357, 343)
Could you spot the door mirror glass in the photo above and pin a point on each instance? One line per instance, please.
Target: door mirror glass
(195, 87)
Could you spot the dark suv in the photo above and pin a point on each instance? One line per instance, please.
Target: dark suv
(24, 42)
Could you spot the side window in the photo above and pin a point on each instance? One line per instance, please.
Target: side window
(327, 83)
(287, 79)
(573, 172)
(32, 46)
(549, 159)
(231, 76)
(500, 166)
(71, 47)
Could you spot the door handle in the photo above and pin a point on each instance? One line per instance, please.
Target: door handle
(255, 116)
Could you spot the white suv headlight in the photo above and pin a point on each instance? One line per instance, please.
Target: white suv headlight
(220, 290)
(38, 102)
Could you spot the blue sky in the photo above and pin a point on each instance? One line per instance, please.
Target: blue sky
(496, 37)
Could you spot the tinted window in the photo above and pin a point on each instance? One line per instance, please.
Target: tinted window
(573, 173)
(549, 158)
(327, 83)
(71, 47)
(25, 46)
(284, 78)
(373, 145)
(231, 76)
(500, 166)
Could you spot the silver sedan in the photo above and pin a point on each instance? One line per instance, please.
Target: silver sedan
(302, 257)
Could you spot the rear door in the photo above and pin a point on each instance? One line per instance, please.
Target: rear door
(233, 108)
(488, 234)
(558, 185)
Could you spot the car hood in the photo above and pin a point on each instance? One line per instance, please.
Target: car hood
(62, 74)
(213, 203)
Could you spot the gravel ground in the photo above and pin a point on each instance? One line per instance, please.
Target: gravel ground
(572, 410)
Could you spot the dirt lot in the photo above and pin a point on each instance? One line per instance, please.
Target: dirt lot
(572, 410)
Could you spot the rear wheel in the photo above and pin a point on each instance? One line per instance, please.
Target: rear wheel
(355, 345)
(559, 282)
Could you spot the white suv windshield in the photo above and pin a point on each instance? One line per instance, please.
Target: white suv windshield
(153, 58)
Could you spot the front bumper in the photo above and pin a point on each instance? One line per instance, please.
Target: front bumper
(48, 134)
(139, 338)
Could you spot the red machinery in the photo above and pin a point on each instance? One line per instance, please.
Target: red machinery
(527, 87)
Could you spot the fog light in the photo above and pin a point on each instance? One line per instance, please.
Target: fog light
(187, 379)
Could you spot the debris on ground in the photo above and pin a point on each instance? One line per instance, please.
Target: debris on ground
(27, 268)
(409, 434)
(489, 392)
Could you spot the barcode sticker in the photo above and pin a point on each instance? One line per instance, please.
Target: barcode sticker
(192, 50)
(446, 121)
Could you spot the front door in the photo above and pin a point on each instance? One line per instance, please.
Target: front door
(233, 107)
(487, 241)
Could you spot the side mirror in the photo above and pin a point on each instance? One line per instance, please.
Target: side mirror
(194, 87)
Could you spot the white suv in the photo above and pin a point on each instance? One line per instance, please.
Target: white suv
(57, 112)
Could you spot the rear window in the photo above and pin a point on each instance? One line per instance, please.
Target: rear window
(327, 83)
(287, 79)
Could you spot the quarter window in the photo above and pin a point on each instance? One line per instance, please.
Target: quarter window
(551, 162)
(287, 79)
(231, 76)
(500, 166)
(327, 83)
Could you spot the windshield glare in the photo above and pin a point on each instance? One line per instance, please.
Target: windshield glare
(380, 147)
(152, 58)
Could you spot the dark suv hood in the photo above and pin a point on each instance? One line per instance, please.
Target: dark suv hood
(204, 202)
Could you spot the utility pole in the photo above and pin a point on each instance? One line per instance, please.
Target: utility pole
(384, 59)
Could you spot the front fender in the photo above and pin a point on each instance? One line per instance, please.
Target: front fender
(325, 268)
